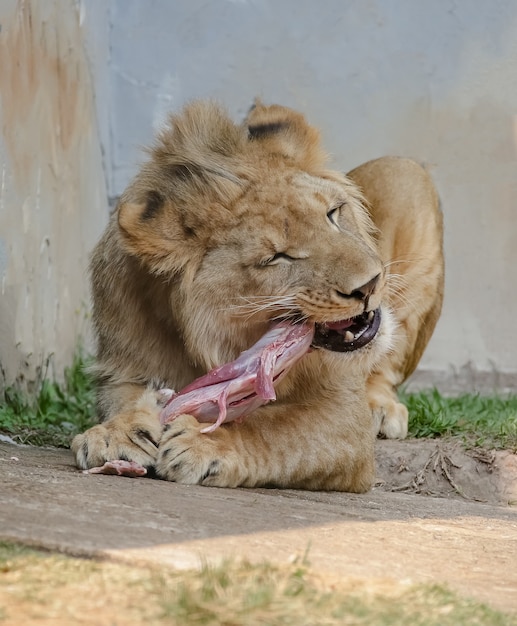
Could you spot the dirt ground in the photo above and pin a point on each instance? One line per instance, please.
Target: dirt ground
(438, 514)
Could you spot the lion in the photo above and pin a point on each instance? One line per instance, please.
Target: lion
(226, 228)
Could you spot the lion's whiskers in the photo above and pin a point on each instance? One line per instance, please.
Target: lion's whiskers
(398, 283)
(259, 304)
(411, 260)
(397, 286)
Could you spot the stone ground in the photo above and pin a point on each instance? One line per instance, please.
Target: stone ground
(438, 514)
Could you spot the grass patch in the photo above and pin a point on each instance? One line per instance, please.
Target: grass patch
(54, 413)
(11, 551)
(487, 421)
(40, 587)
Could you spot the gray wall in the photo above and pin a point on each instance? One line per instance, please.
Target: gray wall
(433, 80)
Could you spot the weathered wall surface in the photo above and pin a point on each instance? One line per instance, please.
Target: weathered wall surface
(433, 80)
(52, 188)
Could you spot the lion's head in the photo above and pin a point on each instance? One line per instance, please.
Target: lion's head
(245, 225)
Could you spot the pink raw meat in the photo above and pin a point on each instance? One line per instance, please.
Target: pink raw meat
(119, 468)
(233, 390)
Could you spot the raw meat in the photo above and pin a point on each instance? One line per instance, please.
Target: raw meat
(233, 390)
(119, 468)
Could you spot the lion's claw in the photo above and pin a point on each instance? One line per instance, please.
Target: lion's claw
(126, 436)
(102, 443)
(187, 456)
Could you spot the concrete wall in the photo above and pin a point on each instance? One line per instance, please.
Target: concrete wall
(52, 187)
(433, 80)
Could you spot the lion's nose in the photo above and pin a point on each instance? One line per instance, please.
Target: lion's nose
(364, 292)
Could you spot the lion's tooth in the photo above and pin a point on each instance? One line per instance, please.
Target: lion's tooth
(371, 315)
(349, 336)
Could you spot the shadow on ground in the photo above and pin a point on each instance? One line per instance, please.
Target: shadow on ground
(46, 502)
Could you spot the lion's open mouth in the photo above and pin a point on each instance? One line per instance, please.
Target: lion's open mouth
(348, 335)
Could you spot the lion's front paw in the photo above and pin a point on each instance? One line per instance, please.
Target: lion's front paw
(187, 456)
(391, 419)
(131, 436)
(109, 442)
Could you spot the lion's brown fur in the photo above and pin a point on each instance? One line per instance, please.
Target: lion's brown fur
(183, 281)
(405, 207)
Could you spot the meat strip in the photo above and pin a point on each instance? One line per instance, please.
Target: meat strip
(132, 469)
(233, 390)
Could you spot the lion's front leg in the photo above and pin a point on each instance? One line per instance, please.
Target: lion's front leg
(131, 435)
(270, 448)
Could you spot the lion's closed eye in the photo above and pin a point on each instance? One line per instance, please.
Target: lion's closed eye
(283, 258)
(277, 259)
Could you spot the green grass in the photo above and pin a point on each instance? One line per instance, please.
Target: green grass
(38, 586)
(54, 413)
(487, 421)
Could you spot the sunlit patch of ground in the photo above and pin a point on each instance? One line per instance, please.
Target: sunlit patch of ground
(48, 589)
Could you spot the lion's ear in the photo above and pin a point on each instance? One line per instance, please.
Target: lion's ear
(147, 233)
(282, 130)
